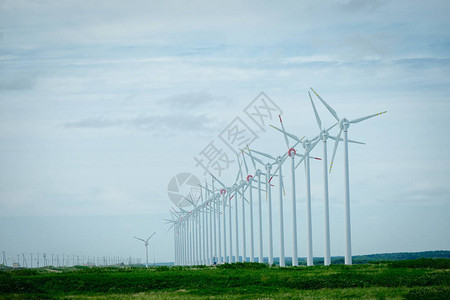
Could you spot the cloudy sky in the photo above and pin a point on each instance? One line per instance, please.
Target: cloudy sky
(103, 102)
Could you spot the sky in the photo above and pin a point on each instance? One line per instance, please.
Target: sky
(102, 103)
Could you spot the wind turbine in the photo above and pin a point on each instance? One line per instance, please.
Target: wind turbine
(344, 124)
(146, 247)
(258, 174)
(236, 188)
(195, 213)
(179, 222)
(206, 212)
(233, 190)
(324, 135)
(5, 261)
(177, 234)
(291, 152)
(203, 229)
(24, 261)
(244, 185)
(268, 167)
(308, 146)
(250, 184)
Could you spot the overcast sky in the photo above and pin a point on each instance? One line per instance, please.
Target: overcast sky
(103, 102)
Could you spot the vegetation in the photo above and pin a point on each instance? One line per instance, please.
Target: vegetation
(410, 279)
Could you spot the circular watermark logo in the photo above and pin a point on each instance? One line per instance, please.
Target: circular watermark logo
(184, 189)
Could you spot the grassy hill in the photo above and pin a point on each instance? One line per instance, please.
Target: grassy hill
(424, 278)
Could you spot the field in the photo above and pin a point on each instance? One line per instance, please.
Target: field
(408, 279)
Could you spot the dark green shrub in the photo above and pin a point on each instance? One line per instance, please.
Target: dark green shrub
(431, 263)
(244, 265)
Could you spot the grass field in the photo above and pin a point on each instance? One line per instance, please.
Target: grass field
(409, 279)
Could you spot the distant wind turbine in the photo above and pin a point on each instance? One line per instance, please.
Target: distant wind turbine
(146, 247)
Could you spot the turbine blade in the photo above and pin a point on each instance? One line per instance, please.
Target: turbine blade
(284, 133)
(220, 182)
(263, 154)
(151, 236)
(335, 149)
(239, 163)
(139, 238)
(251, 157)
(356, 142)
(169, 228)
(317, 137)
(300, 161)
(313, 145)
(331, 127)
(245, 162)
(240, 170)
(287, 133)
(327, 106)
(189, 201)
(367, 117)
(350, 141)
(254, 158)
(205, 188)
(315, 112)
(313, 157)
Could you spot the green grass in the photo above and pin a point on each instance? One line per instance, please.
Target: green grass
(411, 279)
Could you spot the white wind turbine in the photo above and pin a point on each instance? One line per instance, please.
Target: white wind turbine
(207, 213)
(280, 161)
(291, 152)
(236, 188)
(233, 190)
(214, 223)
(269, 177)
(244, 185)
(308, 146)
(324, 135)
(250, 179)
(174, 223)
(146, 247)
(223, 193)
(258, 174)
(184, 219)
(194, 235)
(344, 124)
(185, 236)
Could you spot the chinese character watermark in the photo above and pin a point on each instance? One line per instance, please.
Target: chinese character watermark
(262, 110)
(237, 135)
(214, 159)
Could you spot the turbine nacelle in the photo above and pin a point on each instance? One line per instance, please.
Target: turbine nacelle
(324, 135)
(279, 160)
(292, 152)
(306, 144)
(344, 124)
